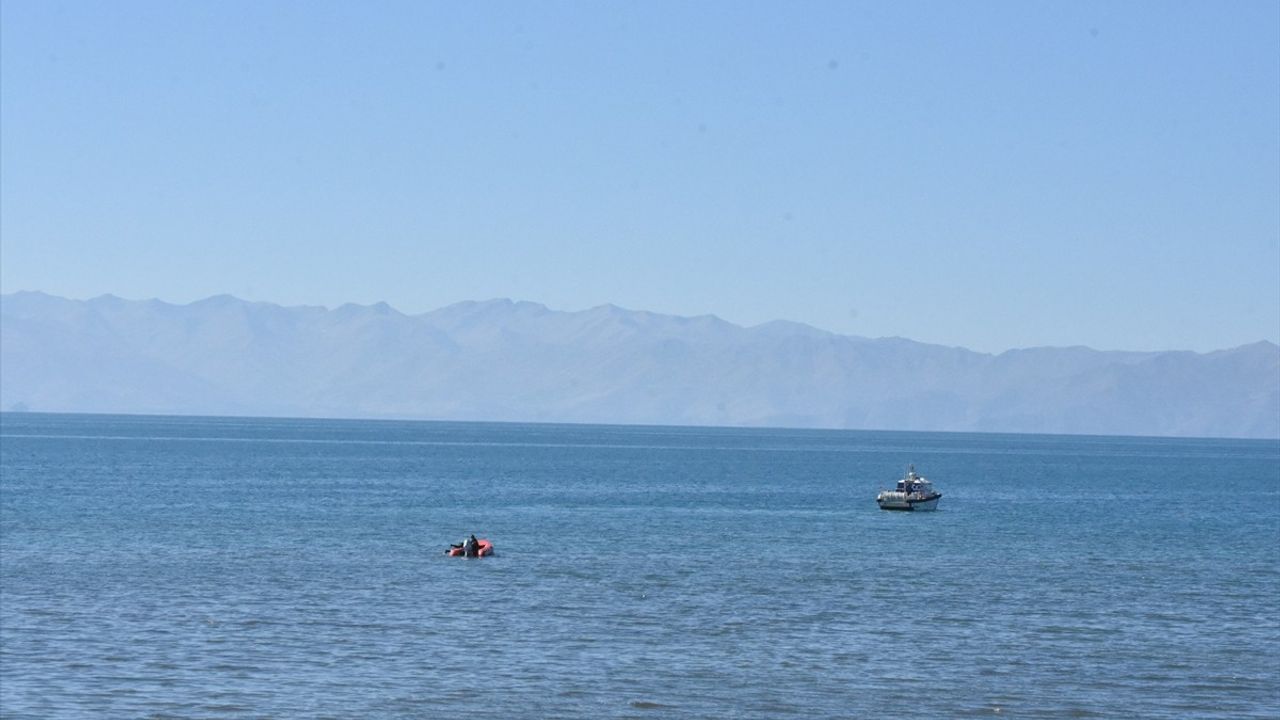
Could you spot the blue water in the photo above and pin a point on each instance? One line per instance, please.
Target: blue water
(226, 568)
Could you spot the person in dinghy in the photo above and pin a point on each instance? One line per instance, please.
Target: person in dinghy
(471, 547)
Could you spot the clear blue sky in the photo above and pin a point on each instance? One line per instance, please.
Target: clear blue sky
(985, 174)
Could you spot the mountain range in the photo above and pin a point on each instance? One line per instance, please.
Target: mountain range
(520, 361)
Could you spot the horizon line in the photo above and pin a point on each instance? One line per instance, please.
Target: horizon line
(544, 423)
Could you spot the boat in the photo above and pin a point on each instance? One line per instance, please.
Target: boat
(483, 548)
(912, 493)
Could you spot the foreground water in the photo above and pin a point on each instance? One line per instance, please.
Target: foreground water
(210, 568)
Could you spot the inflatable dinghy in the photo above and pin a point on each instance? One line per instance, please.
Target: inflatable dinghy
(483, 548)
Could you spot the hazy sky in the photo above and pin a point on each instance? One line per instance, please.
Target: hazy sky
(985, 174)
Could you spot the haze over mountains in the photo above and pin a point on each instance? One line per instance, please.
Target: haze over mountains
(519, 361)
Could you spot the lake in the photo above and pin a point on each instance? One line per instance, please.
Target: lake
(186, 567)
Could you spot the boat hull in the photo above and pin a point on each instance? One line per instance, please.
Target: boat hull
(484, 548)
(925, 504)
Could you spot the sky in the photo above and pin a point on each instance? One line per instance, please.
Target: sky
(990, 175)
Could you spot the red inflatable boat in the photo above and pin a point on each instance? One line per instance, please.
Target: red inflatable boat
(484, 547)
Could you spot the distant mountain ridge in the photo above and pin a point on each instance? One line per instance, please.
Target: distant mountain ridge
(520, 361)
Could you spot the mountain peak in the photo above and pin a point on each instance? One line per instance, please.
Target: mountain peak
(788, 328)
(221, 300)
(379, 309)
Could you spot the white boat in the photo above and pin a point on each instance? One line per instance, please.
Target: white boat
(913, 493)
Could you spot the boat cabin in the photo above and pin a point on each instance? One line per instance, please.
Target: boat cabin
(913, 484)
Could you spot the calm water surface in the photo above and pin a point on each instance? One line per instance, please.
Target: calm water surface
(226, 568)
